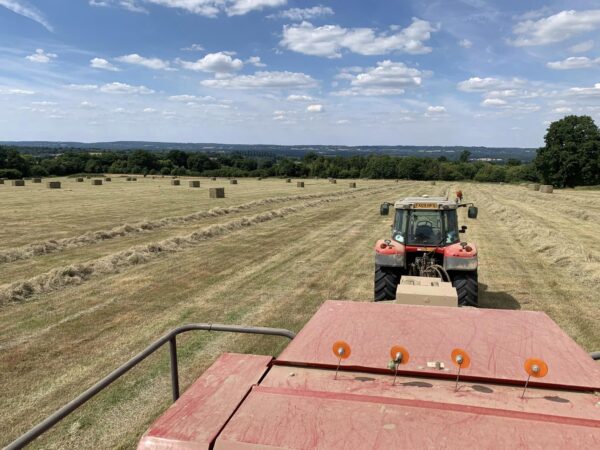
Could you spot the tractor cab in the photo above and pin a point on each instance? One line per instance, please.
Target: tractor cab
(426, 242)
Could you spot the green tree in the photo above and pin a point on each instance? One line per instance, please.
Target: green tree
(464, 156)
(571, 156)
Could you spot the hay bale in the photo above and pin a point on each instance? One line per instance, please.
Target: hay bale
(433, 183)
(79, 180)
(352, 185)
(37, 180)
(289, 180)
(18, 182)
(53, 184)
(194, 184)
(546, 188)
(232, 181)
(300, 184)
(533, 187)
(175, 182)
(334, 181)
(96, 182)
(216, 192)
(1, 180)
(107, 179)
(214, 178)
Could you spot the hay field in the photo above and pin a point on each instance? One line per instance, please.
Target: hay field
(89, 275)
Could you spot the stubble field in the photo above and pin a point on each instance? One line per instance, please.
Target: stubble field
(89, 275)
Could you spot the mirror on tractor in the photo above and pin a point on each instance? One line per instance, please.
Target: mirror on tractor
(384, 209)
(472, 212)
(462, 229)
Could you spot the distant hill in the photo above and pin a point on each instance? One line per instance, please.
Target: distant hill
(450, 152)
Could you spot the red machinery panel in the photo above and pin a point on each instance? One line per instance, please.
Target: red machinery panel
(195, 420)
(498, 342)
(273, 418)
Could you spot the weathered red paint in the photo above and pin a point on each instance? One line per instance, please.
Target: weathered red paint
(195, 420)
(499, 342)
(393, 248)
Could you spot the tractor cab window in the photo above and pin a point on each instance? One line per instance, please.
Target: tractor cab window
(399, 234)
(450, 226)
(425, 227)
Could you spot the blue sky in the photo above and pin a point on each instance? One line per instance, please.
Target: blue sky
(447, 72)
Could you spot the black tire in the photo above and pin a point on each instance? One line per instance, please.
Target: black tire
(467, 288)
(386, 283)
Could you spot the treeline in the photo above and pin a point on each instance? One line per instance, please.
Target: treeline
(13, 164)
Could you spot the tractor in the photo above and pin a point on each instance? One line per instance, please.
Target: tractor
(426, 242)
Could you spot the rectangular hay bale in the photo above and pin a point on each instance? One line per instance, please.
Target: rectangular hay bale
(79, 180)
(175, 182)
(300, 184)
(37, 180)
(107, 179)
(216, 192)
(233, 182)
(194, 183)
(53, 184)
(96, 182)
(352, 185)
(18, 182)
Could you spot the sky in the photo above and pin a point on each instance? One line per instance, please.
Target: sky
(368, 72)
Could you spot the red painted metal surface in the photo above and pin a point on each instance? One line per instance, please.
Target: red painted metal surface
(196, 419)
(498, 341)
(299, 419)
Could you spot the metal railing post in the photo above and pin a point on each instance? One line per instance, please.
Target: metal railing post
(174, 368)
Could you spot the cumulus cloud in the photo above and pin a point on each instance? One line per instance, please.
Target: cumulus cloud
(87, 105)
(298, 14)
(586, 91)
(329, 40)
(562, 110)
(149, 110)
(433, 110)
(255, 61)
(123, 88)
(476, 84)
(264, 80)
(40, 56)
(220, 62)
(241, 7)
(150, 63)
(100, 63)
(582, 47)
(494, 102)
(387, 78)
(556, 28)
(19, 7)
(316, 108)
(193, 48)
(465, 43)
(82, 87)
(16, 91)
(574, 62)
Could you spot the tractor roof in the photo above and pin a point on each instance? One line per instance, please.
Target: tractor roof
(425, 202)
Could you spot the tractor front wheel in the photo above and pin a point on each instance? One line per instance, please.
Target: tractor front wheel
(466, 287)
(386, 283)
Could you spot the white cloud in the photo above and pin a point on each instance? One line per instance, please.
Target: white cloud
(387, 78)
(193, 48)
(87, 105)
(329, 40)
(574, 62)
(555, 28)
(40, 56)
(19, 7)
(207, 8)
(562, 110)
(220, 62)
(255, 61)
(586, 92)
(122, 88)
(82, 87)
(476, 84)
(241, 7)
(149, 110)
(436, 110)
(299, 98)
(316, 108)
(129, 5)
(100, 63)
(342, 121)
(465, 43)
(303, 13)
(16, 91)
(582, 47)
(150, 63)
(264, 80)
(494, 102)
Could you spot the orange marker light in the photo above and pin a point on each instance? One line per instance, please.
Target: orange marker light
(460, 358)
(398, 350)
(341, 350)
(536, 367)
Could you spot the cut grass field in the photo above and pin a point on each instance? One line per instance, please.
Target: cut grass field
(90, 298)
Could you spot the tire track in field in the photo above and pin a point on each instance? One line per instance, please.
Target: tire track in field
(56, 245)
(59, 278)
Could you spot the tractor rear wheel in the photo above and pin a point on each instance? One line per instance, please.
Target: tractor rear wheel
(466, 287)
(386, 283)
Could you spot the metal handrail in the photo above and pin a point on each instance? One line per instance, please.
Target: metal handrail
(170, 337)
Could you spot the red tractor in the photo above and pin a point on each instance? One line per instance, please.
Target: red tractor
(426, 242)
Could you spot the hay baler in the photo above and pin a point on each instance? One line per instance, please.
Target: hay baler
(380, 376)
(426, 242)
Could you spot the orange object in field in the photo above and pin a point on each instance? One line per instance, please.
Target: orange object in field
(459, 195)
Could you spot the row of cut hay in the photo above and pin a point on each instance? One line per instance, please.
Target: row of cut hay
(60, 278)
(556, 248)
(56, 245)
